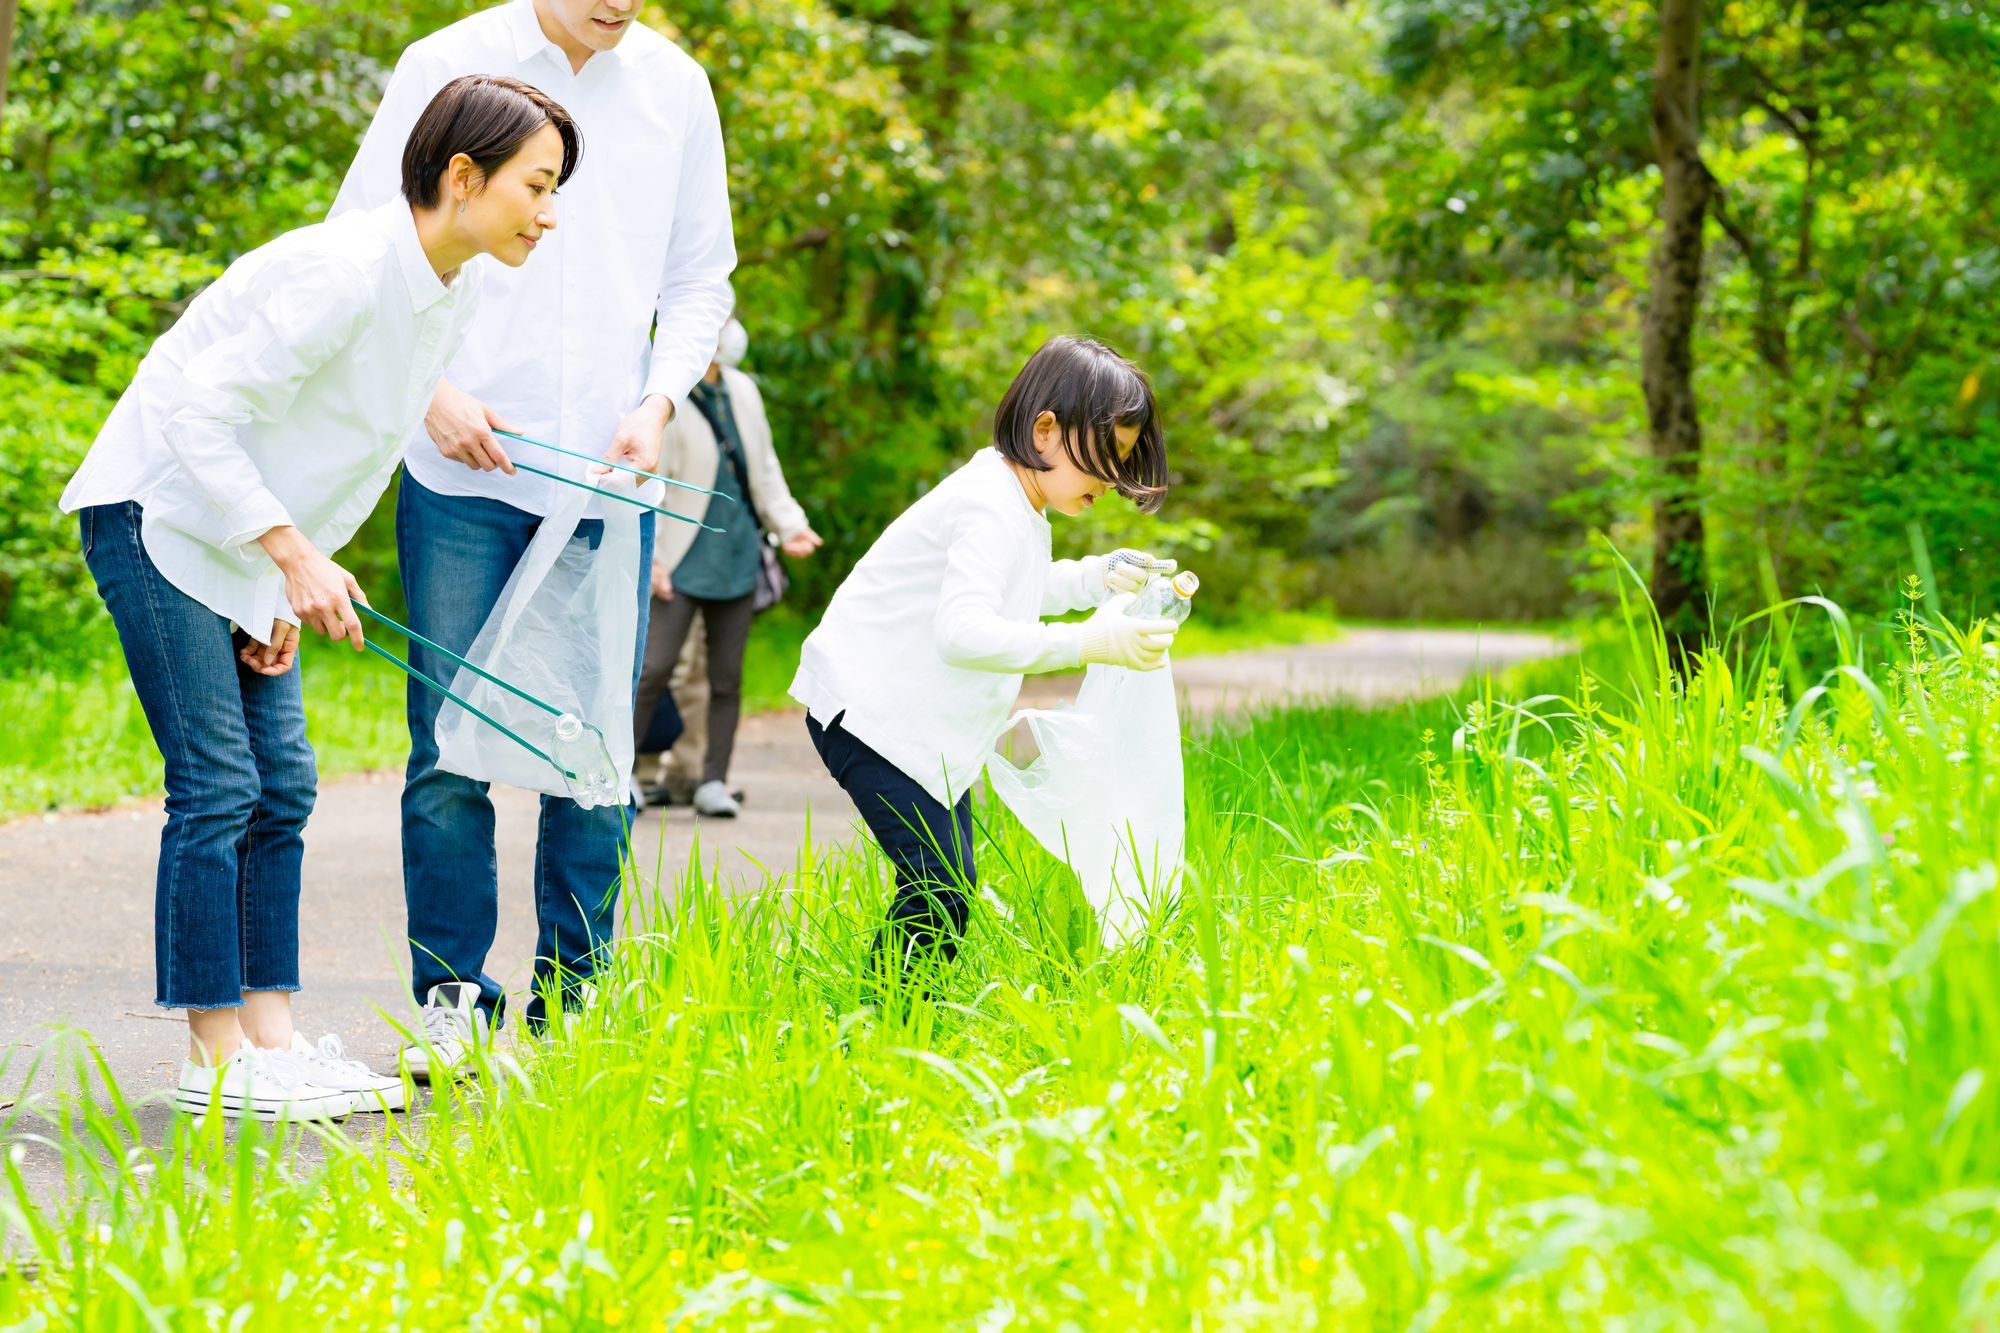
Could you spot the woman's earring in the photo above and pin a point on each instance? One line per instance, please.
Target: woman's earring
(461, 205)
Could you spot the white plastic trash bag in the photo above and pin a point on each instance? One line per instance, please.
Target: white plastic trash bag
(1105, 794)
(564, 631)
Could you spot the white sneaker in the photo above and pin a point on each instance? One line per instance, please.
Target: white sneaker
(453, 1025)
(258, 1085)
(713, 798)
(330, 1068)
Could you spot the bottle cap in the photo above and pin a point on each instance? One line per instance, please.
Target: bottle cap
(1185, 583)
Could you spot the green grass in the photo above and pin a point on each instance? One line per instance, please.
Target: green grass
(84, 742)
(1646, 1008)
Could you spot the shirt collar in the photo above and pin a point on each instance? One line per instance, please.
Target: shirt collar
(530, 40)
(528, 35)
(426, 288)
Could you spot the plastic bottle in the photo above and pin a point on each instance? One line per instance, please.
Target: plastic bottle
(1166, 599)
(580, 750)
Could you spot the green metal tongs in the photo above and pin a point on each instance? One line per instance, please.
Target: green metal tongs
(415, 674)
(605, 462)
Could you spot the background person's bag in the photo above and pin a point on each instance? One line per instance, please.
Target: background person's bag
(771, 578)
(1106, 793)
(565, 630)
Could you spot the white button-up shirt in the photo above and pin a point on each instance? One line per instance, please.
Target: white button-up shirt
(643, 233)
(925, 643)
(283, 396)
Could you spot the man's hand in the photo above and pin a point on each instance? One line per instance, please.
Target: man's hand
(276, 657)
(802, 545)
(462, 428)
(636, 443)
(663, 582)
(321, 593)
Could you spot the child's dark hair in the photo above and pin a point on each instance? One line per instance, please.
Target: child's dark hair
(1091, 391)
(487, 117)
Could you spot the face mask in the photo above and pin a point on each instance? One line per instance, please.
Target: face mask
(735, 342)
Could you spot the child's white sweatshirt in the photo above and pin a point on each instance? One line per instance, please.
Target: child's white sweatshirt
(924, 646)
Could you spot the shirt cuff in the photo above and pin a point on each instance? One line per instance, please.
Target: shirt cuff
(672, 383)
(1064, 648)
(255, 515)
(1091, 575)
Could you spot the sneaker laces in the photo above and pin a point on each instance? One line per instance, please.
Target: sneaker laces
(443, 1024)
(285, 1069)
(332, 1054)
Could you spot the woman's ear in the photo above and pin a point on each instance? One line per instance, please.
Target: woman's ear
(460, 175)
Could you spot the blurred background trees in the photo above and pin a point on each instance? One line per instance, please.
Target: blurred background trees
(1387, 265)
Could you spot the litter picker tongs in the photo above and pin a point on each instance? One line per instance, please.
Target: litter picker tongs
(622, 467)
(417, 675)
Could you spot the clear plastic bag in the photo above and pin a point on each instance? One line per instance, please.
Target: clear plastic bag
(1106, 794)
(564, 630)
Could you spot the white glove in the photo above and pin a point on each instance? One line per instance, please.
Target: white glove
(1127, 570)
(1116, 639)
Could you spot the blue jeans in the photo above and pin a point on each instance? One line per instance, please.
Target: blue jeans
(456, 554)
(240, 780)
(930, 847)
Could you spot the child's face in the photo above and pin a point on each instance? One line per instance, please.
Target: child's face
(1065, 487)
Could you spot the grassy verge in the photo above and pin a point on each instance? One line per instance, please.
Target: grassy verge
(83, 741)
(1647, 1008)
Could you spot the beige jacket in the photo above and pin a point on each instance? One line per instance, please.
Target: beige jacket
(689, 452)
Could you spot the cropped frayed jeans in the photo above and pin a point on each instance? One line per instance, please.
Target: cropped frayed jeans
(457, 553)
(240, 779)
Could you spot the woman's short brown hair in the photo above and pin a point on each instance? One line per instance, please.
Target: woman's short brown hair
(1091, 391)
(487, 117)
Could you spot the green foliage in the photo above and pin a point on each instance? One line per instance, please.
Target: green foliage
(1850, 253)
(1646, 1005)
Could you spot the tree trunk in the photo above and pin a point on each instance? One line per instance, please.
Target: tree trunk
(8, 9)
(1666, 356)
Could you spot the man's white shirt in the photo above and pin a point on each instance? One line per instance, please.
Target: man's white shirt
(642, 234)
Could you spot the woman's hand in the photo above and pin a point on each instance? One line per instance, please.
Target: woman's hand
(802, 545)
(321, 593)
(462, 428)
(636, 442)
(276, 657)
(663, 582)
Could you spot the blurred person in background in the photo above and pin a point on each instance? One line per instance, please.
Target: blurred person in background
(724, 445)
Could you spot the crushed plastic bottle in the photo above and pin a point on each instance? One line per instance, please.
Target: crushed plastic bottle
(1166, 599)
(591, 776)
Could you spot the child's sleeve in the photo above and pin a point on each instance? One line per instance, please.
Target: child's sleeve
(1074, 585)
(983, 556)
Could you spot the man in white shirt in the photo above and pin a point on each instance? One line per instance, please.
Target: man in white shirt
(592, 347)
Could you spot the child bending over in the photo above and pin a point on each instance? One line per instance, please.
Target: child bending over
(920, 655)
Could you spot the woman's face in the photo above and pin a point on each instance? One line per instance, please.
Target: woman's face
(1065, 487)
(506, 215)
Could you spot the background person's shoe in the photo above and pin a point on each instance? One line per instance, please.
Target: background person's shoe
(453, 1027)
(712, 798)
(330, 1068)
(258, 1085)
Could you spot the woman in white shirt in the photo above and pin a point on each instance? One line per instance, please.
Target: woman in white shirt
(920, 655)
(256, 436)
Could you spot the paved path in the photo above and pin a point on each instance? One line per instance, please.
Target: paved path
(76, 891)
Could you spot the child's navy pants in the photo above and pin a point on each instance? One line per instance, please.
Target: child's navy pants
(931, 847)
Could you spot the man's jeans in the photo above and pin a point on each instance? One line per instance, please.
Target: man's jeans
(457, 553)
(240, 780)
